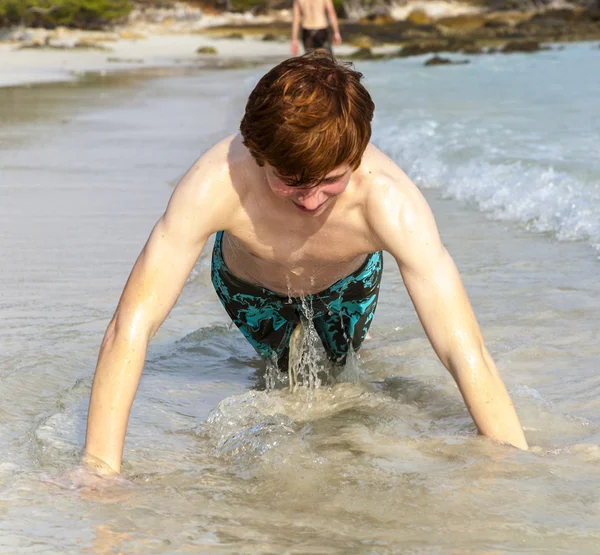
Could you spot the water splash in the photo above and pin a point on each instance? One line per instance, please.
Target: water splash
(274, 377)
(305, 360)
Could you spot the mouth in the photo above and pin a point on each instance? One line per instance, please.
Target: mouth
(308, 210)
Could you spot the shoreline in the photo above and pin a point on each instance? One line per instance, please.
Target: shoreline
(35, 56)
(172, 53)
(39, 65)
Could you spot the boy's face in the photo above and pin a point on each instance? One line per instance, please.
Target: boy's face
(314, 199)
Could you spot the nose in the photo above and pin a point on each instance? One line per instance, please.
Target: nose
(310, 199)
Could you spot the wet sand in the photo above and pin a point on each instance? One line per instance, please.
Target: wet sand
(177, 52)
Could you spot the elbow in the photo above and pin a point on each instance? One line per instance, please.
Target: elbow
(127, 328)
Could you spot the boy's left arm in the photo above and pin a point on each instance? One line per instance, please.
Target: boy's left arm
(404, 225)
(333, 20)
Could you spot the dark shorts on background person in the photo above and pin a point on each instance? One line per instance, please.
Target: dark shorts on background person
(341, 314)
(313, 39)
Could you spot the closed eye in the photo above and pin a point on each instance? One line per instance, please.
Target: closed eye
(333, 178)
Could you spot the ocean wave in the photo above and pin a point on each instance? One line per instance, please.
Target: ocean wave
(485, 168)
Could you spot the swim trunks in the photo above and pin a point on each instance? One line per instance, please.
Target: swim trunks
(313, 39)
(341, 314)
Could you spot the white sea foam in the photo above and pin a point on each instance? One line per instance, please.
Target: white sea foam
(527, 159)
(524, 190)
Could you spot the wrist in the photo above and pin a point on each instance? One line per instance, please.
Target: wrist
(97, 465)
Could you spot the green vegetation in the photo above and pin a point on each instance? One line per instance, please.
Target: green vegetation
(247, 5)
(84, 14)
(96, 14)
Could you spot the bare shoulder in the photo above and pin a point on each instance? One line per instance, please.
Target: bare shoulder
(206, 193)
(208, 173)
(395, 208)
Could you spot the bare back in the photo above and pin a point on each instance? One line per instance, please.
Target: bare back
(313, 14)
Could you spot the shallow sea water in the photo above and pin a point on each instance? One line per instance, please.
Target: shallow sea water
(505, 150)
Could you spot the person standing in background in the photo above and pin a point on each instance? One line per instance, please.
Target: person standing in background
(314, 16)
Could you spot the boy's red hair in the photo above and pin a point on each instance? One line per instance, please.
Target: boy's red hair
(307, 116)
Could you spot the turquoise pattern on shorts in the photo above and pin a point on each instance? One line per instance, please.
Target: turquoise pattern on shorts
(341, 314)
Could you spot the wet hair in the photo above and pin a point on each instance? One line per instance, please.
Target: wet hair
(307, 116)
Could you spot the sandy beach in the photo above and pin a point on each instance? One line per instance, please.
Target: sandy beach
(39, 65)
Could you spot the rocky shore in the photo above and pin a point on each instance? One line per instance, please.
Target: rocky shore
(431, 26)
(473, 33)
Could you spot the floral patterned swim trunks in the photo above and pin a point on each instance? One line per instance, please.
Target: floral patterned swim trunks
(341, 314)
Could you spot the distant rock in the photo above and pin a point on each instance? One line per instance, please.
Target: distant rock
(421, 32)
(362, 41)
(131, 35)
(63, 43)
(115, 60)
(165, 14)
(521, 46)
(7, 34)
(35, 43)
(379, 14)
(472, 49)
(424, 47)
(503, 19)
(439, 61)
(365, 54)
(463, 23)
(90, 44)
(460, 44)
(377, 19)
(557, 16)
(418, 17)
(93, 36)
(206, 50)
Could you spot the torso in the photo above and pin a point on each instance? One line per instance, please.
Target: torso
(313, 14)
(289, 267)
(270, 243)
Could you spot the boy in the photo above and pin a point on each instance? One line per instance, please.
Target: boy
(303, 207)
(313, 16)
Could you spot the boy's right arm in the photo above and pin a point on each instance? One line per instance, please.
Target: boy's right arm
(149, 295)
(295, 26)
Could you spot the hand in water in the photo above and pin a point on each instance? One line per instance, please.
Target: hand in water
(294, 47)
(337, 39)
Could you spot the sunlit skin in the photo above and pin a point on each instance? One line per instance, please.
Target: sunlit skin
(313, 14)
(298, 239)
(312, 199)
